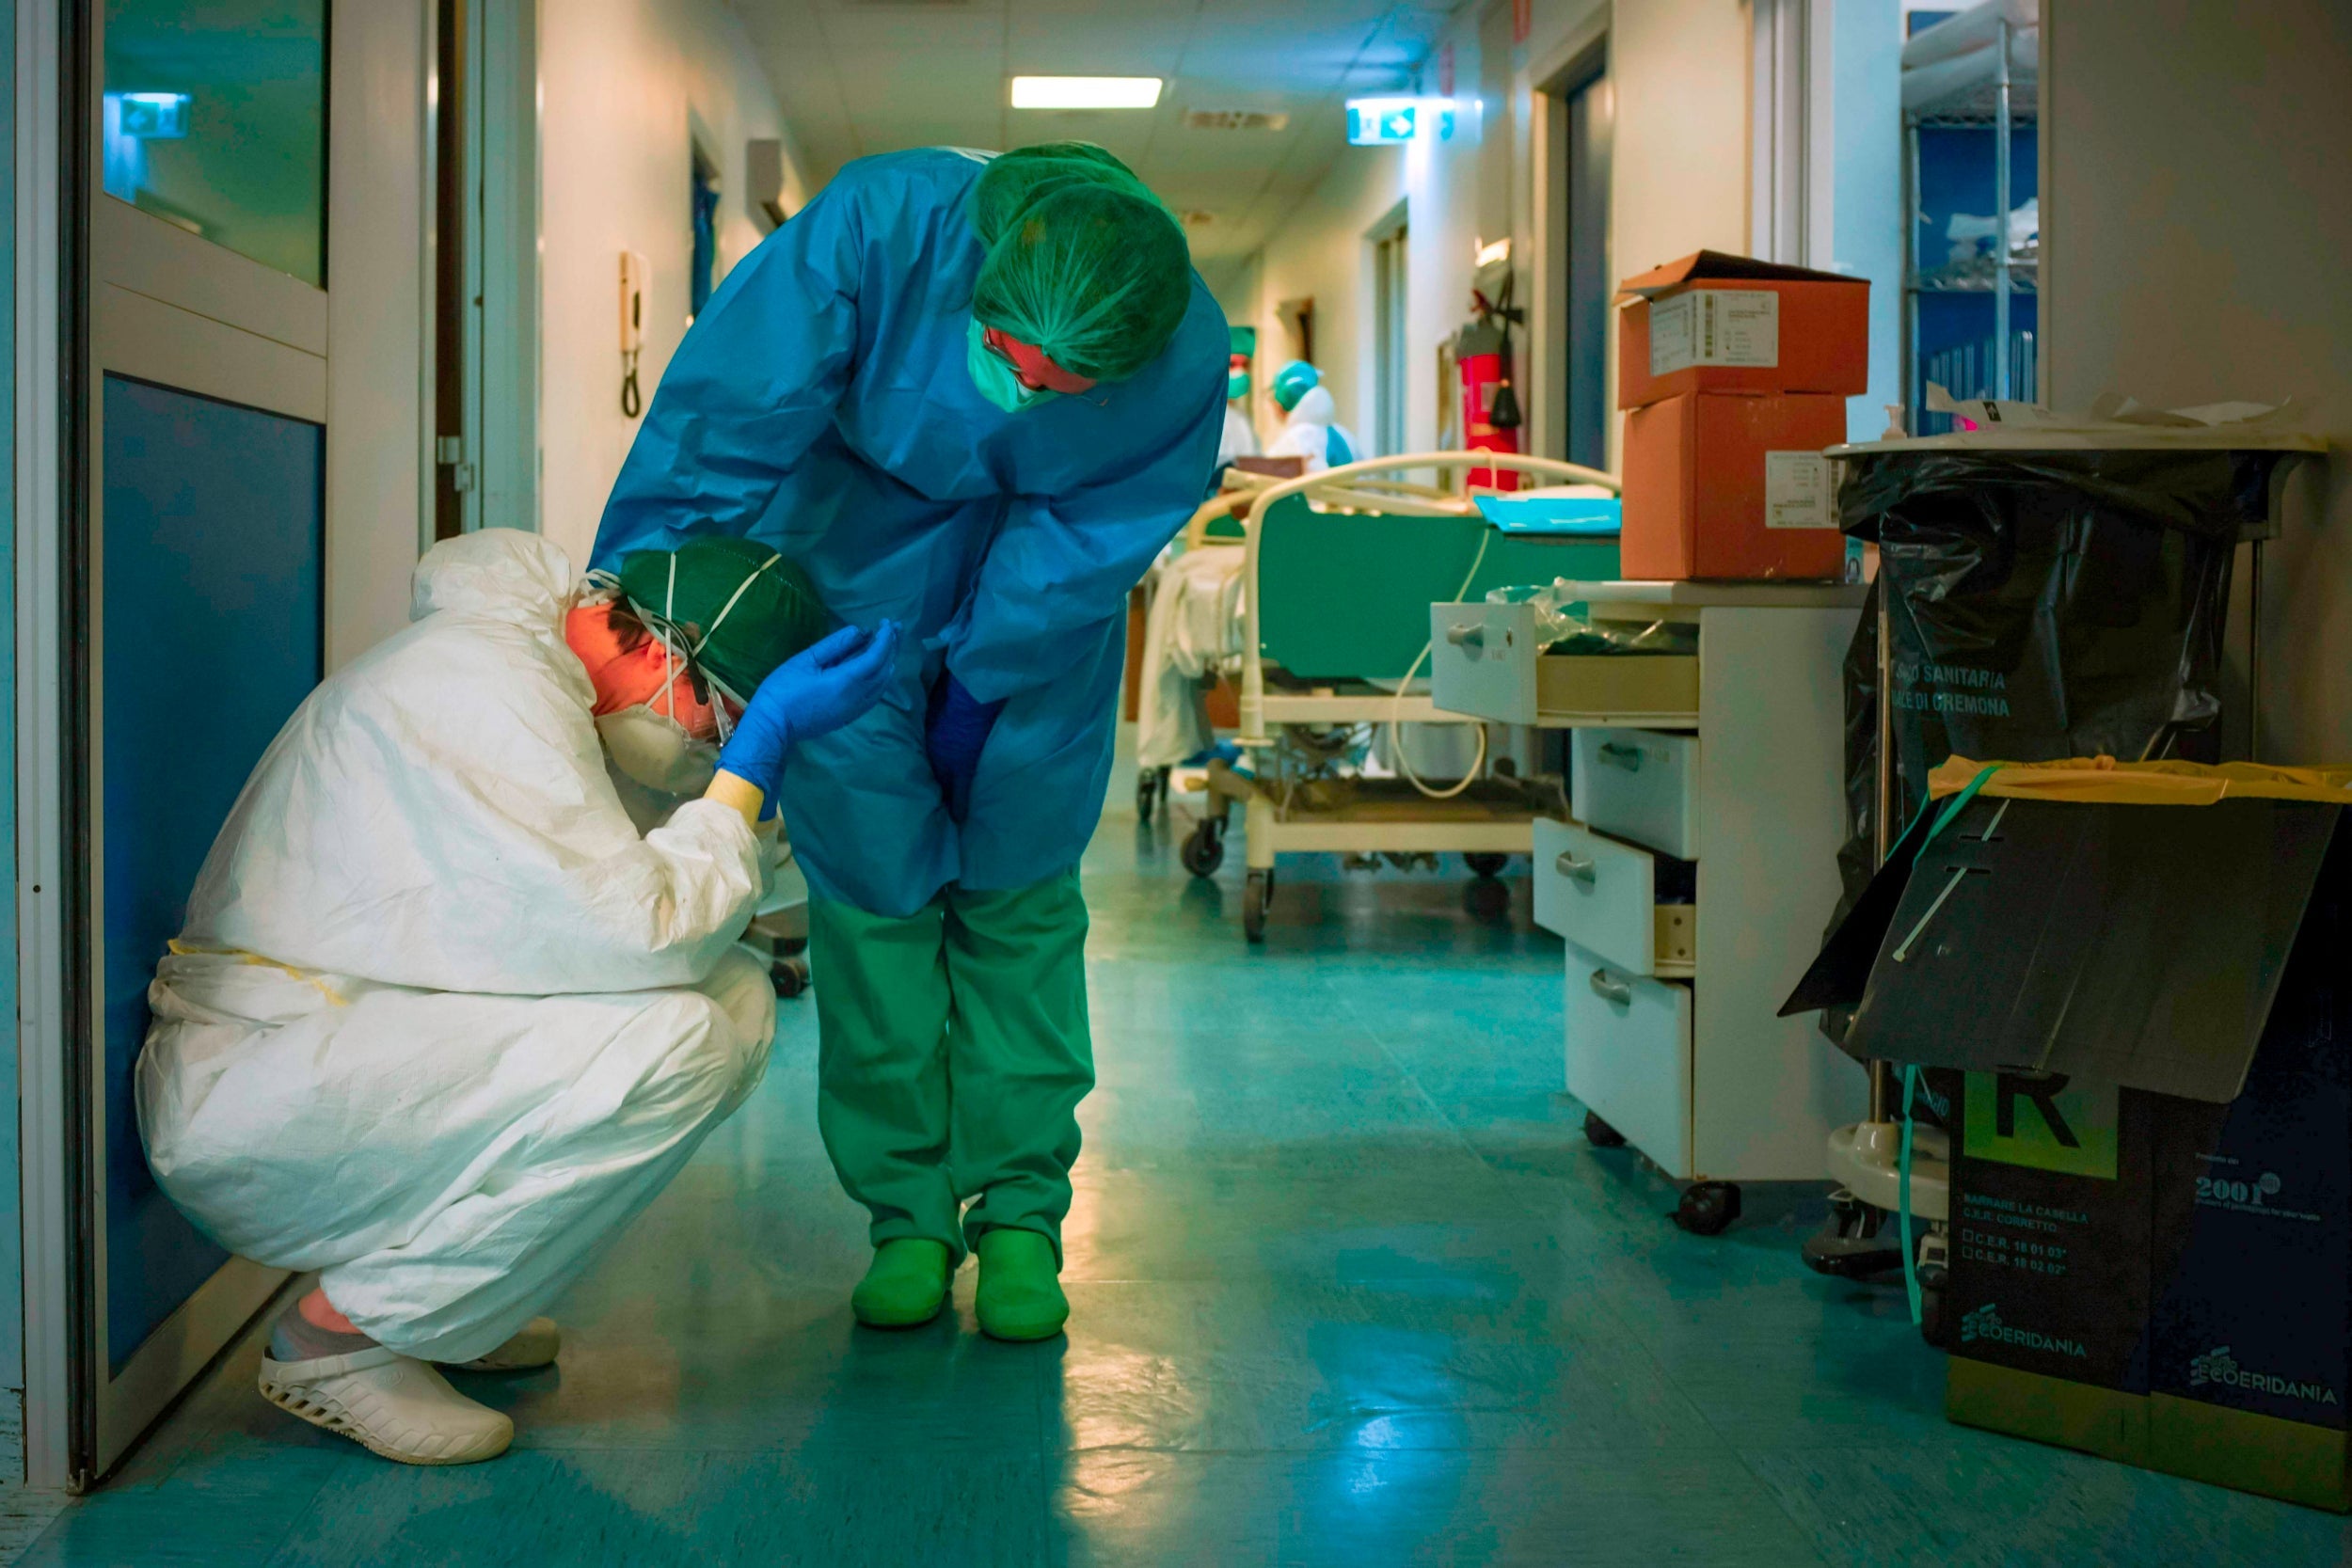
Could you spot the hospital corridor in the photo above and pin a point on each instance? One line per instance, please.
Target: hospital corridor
(1049, 782)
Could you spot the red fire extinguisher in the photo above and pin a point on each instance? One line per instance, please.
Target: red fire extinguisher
(1490, 408)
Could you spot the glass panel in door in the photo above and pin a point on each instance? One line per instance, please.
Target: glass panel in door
(214, 117)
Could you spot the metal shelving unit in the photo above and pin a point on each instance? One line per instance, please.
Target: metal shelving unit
(1998, 105)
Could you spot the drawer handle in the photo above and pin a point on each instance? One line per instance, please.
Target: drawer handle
(1575, 870)
(1612, 989)
(1467, 637)
(1627, 757)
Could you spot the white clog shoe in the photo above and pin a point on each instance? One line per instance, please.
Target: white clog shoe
(392, 1404)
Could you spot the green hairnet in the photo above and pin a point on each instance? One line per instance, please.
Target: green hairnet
(1014, 179)
(1083, 261)
(740, 608)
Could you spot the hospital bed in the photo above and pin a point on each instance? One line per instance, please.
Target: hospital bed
(1336, 575)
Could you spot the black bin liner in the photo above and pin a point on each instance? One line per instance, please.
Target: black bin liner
(2042, 604)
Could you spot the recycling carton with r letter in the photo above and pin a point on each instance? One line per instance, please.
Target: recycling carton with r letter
(2132, 980)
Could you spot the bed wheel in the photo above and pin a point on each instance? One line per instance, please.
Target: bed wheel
(790, 975)
(1257, 898)
(1203, 848)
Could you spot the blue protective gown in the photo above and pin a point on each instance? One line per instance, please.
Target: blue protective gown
(821, 405)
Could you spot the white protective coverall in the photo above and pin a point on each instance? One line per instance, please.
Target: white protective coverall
(442, 1020)
(1306, 433)
(1240, 438)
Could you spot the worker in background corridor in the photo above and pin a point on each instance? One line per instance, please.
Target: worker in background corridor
(1241, 437)
(444, 1016)
(976, 395)
(1312, 430)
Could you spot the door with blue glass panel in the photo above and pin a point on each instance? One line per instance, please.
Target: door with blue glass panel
(205, 570)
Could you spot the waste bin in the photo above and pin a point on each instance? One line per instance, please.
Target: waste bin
(2041, 604)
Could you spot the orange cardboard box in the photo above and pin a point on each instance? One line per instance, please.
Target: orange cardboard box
(1712, 323)
(1731, 485)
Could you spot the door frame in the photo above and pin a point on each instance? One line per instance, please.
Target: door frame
(1547, 371)
(1387, 254)
(51, 183)
(1793, 144)
(485, 154)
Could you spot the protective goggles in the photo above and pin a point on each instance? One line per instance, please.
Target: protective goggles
(1031, 365)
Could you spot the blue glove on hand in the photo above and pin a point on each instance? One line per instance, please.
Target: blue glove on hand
(813, 692)
(958, 729)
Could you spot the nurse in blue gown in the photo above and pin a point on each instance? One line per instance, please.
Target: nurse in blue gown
(975, 396)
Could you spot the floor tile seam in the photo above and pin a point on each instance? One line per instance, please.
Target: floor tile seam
(1429, 1101)
(1956, 1448)
(1617, 1446)
(1302, 1452)
(861, 1451)
(1802, 1533)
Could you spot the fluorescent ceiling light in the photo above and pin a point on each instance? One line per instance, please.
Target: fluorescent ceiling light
(1084, 92)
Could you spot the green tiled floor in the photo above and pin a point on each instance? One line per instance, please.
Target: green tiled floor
(1349, 1289)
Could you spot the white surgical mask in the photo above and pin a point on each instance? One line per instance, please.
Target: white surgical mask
(655, 749)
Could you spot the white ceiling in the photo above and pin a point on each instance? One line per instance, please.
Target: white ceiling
(864, 76)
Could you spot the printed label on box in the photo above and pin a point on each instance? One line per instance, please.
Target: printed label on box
(1714, 326)
(2043, 1122)
(1797, 490)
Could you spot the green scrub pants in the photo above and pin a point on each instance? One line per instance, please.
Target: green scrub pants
(952, 1053)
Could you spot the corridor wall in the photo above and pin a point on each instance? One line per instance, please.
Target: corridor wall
(2196, 227)
(1681, 74)
(630, 90)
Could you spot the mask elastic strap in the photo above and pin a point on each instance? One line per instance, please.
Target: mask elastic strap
(728, 609)
(669, 608)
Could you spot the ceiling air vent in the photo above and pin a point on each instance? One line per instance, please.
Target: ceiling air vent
(1234, 119)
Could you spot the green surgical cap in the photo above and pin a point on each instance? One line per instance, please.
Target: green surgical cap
(1083, 262)
(740, 608)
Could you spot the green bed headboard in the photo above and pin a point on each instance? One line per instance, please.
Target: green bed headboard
(1347, 597)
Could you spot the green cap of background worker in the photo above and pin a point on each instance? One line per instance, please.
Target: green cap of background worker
(1293, 381)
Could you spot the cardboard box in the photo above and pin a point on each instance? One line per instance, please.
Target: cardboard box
(1733, 486)
(1714, 323)
(2251, 1365)
(2051, 1226)
(2151, 1182)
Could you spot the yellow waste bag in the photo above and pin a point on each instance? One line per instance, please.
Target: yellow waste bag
(2104, 780)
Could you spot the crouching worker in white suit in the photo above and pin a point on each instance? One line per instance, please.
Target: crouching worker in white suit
(442, 1019)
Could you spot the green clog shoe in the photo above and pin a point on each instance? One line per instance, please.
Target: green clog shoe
(1019, 1295)
(904, 1287)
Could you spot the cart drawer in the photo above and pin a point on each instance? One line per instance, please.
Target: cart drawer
(1629, 1055)
(1485, 661)
(1603, 895)
(1639, 785)
(1481, 660)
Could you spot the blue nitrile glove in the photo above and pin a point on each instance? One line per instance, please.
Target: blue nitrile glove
(813, 692)
(960, 723)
